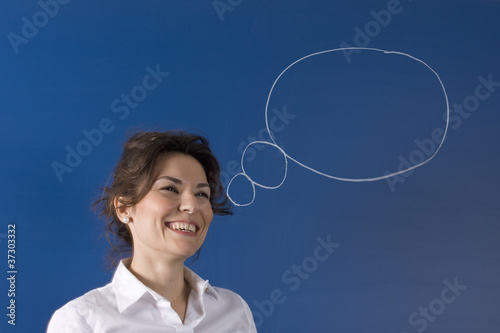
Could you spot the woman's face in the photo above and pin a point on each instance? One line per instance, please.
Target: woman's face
(172, 220)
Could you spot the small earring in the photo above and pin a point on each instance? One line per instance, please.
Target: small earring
(126, 220)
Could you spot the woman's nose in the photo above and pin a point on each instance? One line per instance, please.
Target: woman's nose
(189, 203)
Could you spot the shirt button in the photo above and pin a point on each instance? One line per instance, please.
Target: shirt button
(206, 289)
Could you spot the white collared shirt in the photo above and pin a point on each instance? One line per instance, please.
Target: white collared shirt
(126, 305)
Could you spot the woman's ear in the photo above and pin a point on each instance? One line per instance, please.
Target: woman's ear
(122, 211)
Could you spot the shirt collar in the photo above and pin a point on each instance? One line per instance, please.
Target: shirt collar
(128, 289)
(199, 285)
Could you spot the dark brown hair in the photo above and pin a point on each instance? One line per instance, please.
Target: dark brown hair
(133, 179)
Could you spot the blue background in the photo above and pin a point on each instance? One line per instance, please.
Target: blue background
(357, 119)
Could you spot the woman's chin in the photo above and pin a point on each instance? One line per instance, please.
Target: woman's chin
(186, 251)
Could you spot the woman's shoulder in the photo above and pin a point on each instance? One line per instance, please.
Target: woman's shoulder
(88, 303)
(227, 294)
(233, 306)
(230, 298)
(78, 312)
(96, 297)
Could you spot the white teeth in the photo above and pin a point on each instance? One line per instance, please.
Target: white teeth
(186, 227)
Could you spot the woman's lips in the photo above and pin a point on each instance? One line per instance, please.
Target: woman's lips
(188, 228)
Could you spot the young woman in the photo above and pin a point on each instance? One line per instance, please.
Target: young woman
(161, 202)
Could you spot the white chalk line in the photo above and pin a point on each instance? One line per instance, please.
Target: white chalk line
(254, 183)
(287, 157)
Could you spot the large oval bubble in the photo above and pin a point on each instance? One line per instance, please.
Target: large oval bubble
(352, 121)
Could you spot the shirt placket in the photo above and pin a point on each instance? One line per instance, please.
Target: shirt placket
(171, 318)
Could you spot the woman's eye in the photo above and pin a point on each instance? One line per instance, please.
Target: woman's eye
(169, 188)
(203, 194)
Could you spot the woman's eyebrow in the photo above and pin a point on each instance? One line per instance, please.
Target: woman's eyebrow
(179, 182)
(202, 185)
(174, 180)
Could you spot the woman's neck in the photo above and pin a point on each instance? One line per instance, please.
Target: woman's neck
(166, 277)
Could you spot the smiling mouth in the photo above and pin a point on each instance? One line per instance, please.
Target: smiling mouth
(183, 227)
